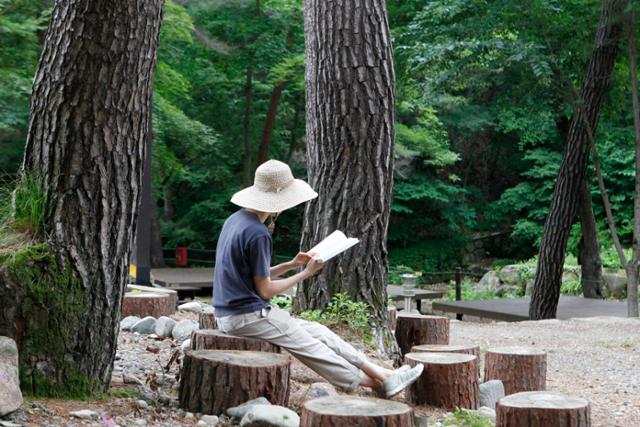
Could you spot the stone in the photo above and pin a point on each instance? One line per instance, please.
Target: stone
(145, 326)
(141, 404)
(616, 283)
(240, 410)
(510, 274)
(313, 391)
(84, 414)
(488, 413)
(164, 326)
(9, 424)
(489, 281)
(510, 290)
(421, 421)
(186, 345)
(131, 379)
(193, 306)
(270, 415)
(209, 420)
(183, 329)
(10, 394)
(490, 392)
(127, 323)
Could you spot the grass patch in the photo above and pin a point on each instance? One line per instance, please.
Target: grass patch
(467, 418)
(125, 393)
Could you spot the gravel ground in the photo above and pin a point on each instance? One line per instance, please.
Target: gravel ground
(592, 358)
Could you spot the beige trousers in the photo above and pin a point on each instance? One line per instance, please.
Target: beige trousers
(311, 343)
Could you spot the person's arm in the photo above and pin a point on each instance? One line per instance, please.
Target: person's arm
(298, 261)
(268, 288)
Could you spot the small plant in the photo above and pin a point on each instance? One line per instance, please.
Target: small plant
(572, 287)
(467, 418)
(470, 292)
(342, 308)
(125, 393)
(282, 301)
(396, 272)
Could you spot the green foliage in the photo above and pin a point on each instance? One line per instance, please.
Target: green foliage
(344, 310)
(22, 213)
(470, 292)
(468, 418)
(572, 287)
(394, 276)
(282, 301)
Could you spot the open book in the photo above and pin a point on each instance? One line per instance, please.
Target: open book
(334, 244)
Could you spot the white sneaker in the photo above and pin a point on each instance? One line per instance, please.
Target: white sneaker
(401, 379)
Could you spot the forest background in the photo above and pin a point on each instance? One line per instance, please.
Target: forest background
(480, 119)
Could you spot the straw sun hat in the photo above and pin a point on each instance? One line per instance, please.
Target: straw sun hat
(274, 189)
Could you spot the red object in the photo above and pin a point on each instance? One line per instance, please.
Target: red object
(181, 257)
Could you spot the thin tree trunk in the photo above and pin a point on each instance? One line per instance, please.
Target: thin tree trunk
(89, 119)
(632, 267)
(269, 124)
(169, 209)
(157, 257)
(350, 134)
(293, 141)
(589, 247)
(246, 126)
(546, 292)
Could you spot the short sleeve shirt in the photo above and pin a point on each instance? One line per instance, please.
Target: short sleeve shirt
(242, 253)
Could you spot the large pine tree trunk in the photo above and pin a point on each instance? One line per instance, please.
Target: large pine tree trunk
(89, 119)
(350, 134)
(589, 247)
(546, 291)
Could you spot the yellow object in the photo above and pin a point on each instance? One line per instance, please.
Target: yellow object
(132, 270)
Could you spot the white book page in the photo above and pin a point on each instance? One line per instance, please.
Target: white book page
(332, 245)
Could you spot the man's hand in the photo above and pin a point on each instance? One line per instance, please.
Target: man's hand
(301, 259)
(313, 266)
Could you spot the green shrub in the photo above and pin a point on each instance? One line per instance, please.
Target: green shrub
(282, 301)
(572, 287)
(467, 418)
(470, 292)
(342, 309)
(396, 272)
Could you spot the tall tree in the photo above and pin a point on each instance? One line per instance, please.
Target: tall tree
(567, 192)
(589, 247)
(350, 133)
(90, 114)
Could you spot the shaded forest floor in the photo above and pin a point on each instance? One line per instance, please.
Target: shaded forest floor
(594, 358)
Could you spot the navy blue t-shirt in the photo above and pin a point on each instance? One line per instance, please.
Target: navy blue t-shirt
(243, 251)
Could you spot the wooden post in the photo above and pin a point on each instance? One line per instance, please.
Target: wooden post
(519, 368)
(542, 409)
(474, 350)
(338, 411)
(214, 339)
(145, 304)
(211, 381)
(414, 329)
(458, 289)
(449, 380)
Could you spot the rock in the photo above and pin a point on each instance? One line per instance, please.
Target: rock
(616, 283)
(127, 323)
(141, 404)
(489, 281)
(510, 290)
(186, 345)
(314, 391)
(139, 422)
(10, 394)
(9, 424)
(145, 326)
(164, 326)
(84, 414)
(490, 392)
(510, 274)
(241, 410)
(489, 413)
(570, 275)
(131, 379)
(189, 415)
(421, 421)
(209, 420)
(270, 415)
(183, 329)
(193, 306)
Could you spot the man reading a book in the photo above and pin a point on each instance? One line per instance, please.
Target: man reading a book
(244, 282)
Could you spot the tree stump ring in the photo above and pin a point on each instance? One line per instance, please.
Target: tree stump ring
(355, 411)
(449, 380)
(519, 368)
(415, 329)
(450, 348)
(214, 339)
(211, 381)
(143, 304)
(542, 409)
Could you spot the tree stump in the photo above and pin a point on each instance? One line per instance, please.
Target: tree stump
(519, 368)
(451, 348)
(214, 339)
(392, 313)
(213, 380)
(355, 411)
(542, 409)
(207, 320)
(143, 304)
(173, 295)
(449, 380)
(416, 329)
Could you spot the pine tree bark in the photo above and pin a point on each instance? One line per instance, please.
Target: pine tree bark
(89, 119)
(270, 123)
(350, 134)
(566, 196)
(589, 247)
(542, 409)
